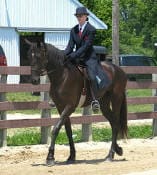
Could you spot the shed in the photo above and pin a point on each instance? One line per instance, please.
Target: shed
(52, 18)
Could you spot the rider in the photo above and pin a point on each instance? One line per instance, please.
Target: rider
(81, 38)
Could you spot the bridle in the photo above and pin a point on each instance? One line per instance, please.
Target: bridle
(43, 71)
(35, 68)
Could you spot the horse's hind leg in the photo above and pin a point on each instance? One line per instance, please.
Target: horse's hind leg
(113, 117)
(68, 129)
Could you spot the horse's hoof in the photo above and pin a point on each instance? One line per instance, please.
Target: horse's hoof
(50, 162)
(119, 151)
(108, 159)
(70, 162)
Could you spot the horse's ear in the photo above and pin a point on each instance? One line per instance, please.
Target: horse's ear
(28, 42)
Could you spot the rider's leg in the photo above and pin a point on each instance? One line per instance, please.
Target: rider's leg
(91, 71)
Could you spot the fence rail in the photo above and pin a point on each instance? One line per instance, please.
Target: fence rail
(25, 70)
(22, 123)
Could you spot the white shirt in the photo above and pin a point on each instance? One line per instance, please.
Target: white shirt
(82, 27)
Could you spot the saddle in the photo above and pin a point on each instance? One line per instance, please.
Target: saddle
(102, 78)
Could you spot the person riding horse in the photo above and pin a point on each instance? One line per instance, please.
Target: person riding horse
(82, 36)
(66, 84)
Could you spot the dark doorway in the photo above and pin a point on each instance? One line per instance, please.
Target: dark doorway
(33, 37)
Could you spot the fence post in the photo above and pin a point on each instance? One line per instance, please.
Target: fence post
(87, 128)
(3, 132)
(45, 113)
(154, 93)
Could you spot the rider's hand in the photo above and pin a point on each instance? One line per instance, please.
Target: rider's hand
(72, 55)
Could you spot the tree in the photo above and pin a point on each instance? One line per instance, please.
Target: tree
(103, 10)
(138, 23)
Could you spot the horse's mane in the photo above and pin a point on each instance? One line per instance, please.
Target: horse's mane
(58, 55)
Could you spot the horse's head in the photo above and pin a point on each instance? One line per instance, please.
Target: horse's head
(38, 60)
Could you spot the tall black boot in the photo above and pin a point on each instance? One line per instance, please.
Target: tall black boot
(95, 103)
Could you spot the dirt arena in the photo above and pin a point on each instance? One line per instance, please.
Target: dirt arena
(140, 158)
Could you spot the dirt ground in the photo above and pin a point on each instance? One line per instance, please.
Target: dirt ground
(139, 158)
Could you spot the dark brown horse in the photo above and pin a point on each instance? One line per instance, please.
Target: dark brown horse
(66, 84)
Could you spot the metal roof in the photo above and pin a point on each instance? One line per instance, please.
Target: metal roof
(44, 15)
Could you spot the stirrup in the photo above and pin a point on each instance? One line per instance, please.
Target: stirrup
(52, 104)
(95, 106)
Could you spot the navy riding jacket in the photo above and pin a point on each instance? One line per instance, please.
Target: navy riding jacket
(83, 45)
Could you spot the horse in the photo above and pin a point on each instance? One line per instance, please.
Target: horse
(66, 84)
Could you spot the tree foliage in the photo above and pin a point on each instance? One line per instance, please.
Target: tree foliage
(103, 11)
(138, 23)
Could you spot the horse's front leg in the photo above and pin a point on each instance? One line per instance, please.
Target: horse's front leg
(50, 157)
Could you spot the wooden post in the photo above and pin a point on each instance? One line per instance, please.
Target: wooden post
(87, 128)
(3, 132)
(154, 93)
(45, 113)
(115, 32)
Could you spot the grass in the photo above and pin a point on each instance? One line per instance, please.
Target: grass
(25, 138)
(31, 137)
(23, 96)
(139, 93)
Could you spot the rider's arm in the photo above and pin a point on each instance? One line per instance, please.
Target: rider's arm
(70, 46)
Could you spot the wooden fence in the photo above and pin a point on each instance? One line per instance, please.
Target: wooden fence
(48, 121)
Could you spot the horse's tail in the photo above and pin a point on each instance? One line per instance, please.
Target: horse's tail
(123, 118)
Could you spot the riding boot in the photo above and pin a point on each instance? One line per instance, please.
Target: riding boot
(95, 103)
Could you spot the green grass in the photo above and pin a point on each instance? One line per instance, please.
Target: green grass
(139, 93)
(20, 97)
(25, 138)
(31, 137)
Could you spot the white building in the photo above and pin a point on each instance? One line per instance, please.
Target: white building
(54, 18)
